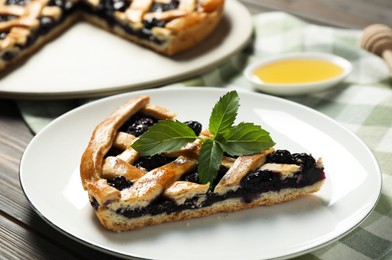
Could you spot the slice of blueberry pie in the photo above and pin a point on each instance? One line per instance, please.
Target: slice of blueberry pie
(143, 167)
(166, 26)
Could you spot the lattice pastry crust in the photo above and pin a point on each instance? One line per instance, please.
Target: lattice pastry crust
(166, 26)
(165, 193)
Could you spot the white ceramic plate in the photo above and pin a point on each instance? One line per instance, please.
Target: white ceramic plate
(50, 179)
(86, 61)
(288, 89)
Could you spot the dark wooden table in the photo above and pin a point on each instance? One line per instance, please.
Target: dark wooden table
(24, 235)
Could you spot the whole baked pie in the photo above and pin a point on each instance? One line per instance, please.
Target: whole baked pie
(129, 190)
(166, 26)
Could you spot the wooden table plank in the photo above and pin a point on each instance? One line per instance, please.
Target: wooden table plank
(25, 234)
(14, 137)
(24, 244)
(35, 239)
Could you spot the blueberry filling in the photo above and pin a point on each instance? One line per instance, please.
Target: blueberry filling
(7, 56)
(162, 7)
(112, 6)
(65, 5)
(94, 203)
(138, 124)
(4, 18)
(194, 177)
(46, 23)
(107, 8)
(251, 186)
(151, 23)
(113, 152)
(16, 2)
(191, 177)
(195, 126)
(159, 206)
(148, 163)
(120, 183)
(3, 35)
(260, 178)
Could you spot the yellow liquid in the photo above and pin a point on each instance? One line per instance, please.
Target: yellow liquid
(297, 71)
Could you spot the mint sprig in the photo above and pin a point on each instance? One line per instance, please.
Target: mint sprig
(165, 136)
(235, 140)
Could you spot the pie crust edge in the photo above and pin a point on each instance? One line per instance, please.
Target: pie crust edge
(116, 222)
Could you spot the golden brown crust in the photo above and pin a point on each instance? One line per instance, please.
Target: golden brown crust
(241, 166)
(180, 34)
(196, 32)
(96, 170)
(103, 136)
(186, 26)
(153, 183)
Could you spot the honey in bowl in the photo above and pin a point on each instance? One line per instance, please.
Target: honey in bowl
(296, 71)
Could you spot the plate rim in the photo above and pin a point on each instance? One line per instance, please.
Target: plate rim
(118, 97)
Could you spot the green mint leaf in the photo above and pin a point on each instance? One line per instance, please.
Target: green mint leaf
(224, 113)
(246, 139)
(164, 136)
(210, 158)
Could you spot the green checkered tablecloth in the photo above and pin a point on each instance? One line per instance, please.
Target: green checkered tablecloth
(363, 103)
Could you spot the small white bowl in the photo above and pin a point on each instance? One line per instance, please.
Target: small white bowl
(286, 89)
